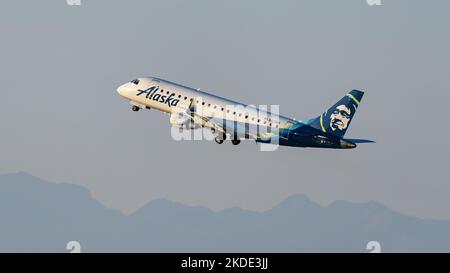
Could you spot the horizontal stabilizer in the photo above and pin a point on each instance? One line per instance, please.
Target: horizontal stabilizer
(356, 141)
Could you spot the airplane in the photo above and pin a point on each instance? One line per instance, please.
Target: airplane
(191, 108)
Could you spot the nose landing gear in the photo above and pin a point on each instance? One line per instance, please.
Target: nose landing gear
(135, 108)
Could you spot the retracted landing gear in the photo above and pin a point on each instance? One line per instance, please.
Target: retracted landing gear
(135, 108)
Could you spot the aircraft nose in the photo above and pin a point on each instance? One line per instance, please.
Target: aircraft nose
(121, 89)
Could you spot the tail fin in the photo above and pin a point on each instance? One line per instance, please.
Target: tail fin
(337, 119)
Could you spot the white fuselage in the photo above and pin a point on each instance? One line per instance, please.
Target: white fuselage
(235, 118)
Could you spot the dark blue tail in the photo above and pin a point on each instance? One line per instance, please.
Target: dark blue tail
(336, 120)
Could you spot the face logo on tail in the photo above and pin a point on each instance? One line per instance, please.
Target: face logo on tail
(340, 118)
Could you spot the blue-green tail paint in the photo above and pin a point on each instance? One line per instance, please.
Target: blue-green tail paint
(336, 120)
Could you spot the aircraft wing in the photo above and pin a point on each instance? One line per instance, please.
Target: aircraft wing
(359, 140)
(203, 121)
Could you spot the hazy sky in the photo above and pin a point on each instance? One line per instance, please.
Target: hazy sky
(61, 118)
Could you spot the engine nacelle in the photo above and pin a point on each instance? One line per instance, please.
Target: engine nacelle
(181, 120)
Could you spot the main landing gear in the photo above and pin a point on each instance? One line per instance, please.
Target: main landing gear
(218, 140)
(221, 139)
(235, 141)
(135, 108)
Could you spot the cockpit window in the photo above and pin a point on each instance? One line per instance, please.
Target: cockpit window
(135, 81)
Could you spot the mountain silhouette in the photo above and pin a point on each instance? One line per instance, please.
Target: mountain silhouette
(39, 216)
